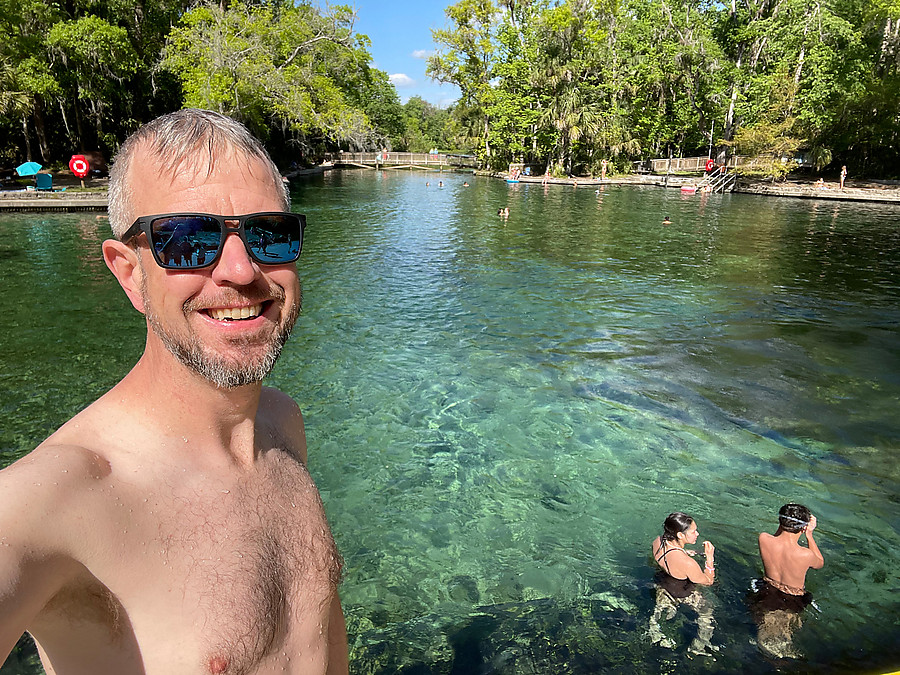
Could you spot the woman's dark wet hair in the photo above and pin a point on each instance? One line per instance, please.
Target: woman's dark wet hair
(793, 517)
(675, 523)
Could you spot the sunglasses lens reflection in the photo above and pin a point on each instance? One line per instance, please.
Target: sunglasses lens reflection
(274, 239)
(186, 241)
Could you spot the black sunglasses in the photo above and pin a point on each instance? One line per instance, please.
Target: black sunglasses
(191, 241)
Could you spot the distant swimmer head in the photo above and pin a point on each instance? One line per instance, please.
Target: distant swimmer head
(793, 517)
(675, 524)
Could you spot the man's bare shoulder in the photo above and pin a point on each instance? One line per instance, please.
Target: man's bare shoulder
(52, 473)
(279, 402)
(282, 416)
(49, 508)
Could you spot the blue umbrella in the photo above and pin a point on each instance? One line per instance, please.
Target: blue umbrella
(28, 168)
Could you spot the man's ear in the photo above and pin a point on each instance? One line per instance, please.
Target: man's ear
(122, 261)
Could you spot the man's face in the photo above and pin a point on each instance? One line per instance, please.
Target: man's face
(227, 322)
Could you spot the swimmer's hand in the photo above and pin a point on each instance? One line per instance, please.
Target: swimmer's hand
(709, 551)
(811, 526)
(690, 552)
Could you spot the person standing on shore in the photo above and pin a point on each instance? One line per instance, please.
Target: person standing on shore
(780, 598)
(172, 526)
(843, 176)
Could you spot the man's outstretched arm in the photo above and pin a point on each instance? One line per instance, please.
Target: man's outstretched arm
(338, 657)
(34, 561)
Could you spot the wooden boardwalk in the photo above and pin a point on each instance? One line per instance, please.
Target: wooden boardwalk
(854, 191)
(52, 201)
(403, 160)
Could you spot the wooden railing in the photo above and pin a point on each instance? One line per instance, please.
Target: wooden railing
(398, 159)
(687, 164)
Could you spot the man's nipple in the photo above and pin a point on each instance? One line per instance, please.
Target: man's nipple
(218, 665)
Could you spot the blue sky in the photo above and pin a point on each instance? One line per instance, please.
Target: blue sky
(400, 31)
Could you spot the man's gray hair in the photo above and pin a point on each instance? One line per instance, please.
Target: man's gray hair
(177, 140)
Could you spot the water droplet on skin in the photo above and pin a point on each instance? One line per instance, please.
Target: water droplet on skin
(65, 471)
(226, 492)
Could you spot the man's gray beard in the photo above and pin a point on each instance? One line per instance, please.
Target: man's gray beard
(220, 372)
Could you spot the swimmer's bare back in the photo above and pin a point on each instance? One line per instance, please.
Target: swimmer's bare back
(126, 550)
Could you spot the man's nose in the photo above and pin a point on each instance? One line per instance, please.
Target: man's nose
(234, 265)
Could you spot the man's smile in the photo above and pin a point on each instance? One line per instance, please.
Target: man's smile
(234, 313)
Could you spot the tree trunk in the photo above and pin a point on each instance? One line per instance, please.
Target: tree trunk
(40, 128)
(728, 131)
(27, 138)
(79, 131)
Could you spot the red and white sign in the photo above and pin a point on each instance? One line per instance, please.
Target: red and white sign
(79, 165)
(710, 165)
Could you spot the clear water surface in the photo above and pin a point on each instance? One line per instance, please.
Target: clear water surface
(500, 414)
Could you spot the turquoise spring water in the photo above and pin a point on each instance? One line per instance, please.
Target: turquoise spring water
(500, 414)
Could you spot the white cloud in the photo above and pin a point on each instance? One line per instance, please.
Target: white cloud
(401, 80)
(421, 54)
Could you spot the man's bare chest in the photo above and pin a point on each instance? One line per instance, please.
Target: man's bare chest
(231, 571)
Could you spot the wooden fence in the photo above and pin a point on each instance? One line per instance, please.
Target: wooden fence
(402, 159)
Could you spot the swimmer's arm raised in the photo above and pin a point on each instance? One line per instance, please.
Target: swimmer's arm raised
(818, 562)
(707, 575)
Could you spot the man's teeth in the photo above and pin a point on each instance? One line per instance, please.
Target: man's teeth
(235, 313)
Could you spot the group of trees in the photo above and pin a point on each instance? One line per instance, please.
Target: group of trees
(79, 75)
(568, 83)
(562, 83)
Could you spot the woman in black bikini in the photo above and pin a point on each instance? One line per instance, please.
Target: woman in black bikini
(677, 578)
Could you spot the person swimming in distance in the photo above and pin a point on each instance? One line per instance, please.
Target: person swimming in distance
(466, 184)
(677, 580)
(779, 599)
(666, 221)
